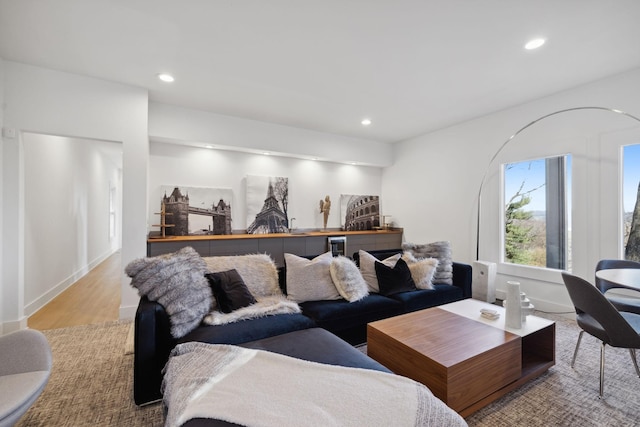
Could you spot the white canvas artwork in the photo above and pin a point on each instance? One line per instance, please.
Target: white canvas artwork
(359, 212)
(267, 204)
(196, 210)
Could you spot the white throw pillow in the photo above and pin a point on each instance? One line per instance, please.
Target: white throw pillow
(258, 271)
(348, 279)
(368, 268)
(422, 270)
(310, 280)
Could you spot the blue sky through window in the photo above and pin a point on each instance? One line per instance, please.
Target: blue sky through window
(532, 173)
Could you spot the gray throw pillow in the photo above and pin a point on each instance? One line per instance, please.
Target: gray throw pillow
(347, 278)
(177, 282)
(439, 250)
(310, 280)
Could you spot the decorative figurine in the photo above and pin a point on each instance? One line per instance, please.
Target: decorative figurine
(325, 207)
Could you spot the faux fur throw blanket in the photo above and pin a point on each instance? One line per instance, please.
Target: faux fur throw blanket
(259, 388)
(266, 306)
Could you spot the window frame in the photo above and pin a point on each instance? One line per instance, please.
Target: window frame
(560, 194)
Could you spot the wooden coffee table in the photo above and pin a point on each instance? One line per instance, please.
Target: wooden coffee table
(465, 360)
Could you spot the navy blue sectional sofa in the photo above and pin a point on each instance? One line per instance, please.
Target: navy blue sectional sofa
(348, 320)
(153, 339)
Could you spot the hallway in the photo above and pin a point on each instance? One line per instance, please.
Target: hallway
(95, 298)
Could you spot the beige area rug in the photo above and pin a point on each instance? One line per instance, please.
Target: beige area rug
(92, 381)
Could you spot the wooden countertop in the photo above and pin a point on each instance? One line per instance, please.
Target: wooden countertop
(300, 233)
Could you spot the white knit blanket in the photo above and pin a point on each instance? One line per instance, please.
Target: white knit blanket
(260, 388)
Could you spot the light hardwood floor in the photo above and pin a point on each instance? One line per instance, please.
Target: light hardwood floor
(95, 298)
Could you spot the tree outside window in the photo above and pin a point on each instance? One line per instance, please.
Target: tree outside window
(536, 222)
(631, 201)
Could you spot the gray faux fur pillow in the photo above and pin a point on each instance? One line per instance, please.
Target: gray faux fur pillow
(177, 282)
(439, 250)
(347, 278)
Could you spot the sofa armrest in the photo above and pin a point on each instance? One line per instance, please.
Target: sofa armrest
(152, 344)
(462, 278)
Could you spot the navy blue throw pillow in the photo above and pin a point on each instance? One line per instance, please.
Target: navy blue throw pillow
(229, 290)
(394, 280)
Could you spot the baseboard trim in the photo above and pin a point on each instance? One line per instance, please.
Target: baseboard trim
(13, 325)
(48, 296)
(128, 312)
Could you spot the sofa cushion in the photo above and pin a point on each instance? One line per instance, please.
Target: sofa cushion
(347, 279)
(258, 271)
(177, 282)
(341, 314)
(310, 280)
(249, 330)
(316, 345)
(368, 269)
(229, 290)
(441, 251)
(426, 298)
(394, 279)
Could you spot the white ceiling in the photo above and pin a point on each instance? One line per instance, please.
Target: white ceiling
(411, 66)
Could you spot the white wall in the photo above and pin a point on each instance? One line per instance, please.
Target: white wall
(42, 101)
(67, 190)
(309, 181)
(39, 100)
(435, 179)
(430, 188)
(170, 123)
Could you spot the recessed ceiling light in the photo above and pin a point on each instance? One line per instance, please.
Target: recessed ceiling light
(208, 146)
(366, 122)
(534, 44)
(167, 78)
(266, 153)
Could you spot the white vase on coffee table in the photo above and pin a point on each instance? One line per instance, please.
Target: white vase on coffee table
(513, 306)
